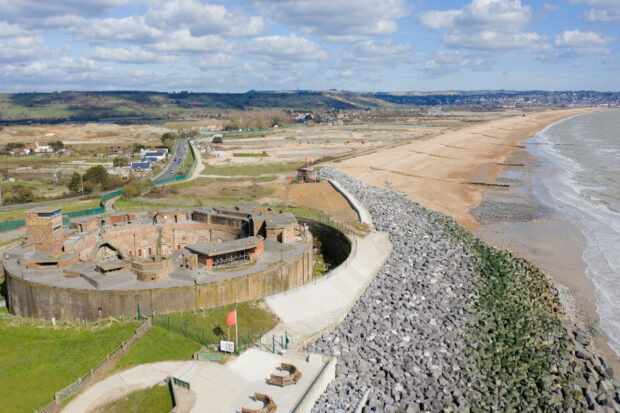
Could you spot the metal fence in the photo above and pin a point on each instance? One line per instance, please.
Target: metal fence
(75, 387)
(201, 335)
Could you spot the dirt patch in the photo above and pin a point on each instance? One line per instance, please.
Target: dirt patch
(320, 196)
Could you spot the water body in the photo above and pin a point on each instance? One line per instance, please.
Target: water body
(580, 158)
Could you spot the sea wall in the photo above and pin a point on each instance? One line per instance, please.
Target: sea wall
(31, 299)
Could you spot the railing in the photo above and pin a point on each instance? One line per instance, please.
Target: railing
(75, 387)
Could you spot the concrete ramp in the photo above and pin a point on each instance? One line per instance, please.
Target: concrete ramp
(316, 308)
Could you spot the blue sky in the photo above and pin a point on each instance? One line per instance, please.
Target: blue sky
(362, 45)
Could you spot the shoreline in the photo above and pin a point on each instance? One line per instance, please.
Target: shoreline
(435, 174)
(550, 241)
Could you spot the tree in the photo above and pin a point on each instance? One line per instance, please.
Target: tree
(75, 184)
(120, 161)
(133, 188)
(23, 195)
(12, 145)
(56, 145)
(137, 147)
(192, 133)
(168, 135)
(97, 175)
(113, 182)
(217, 139)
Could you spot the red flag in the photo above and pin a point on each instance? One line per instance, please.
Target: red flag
(21, 228)
(231, 318)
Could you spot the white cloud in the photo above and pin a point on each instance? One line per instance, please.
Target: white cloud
(217, 61)
(10, 30)
(201, 19)
(131, 55)
(485, 25)
(601, 10)
(551, 7)
(33, 9)
(132, 29)
(481, 15)
(22, 48)
(578, 43)
(337, 18)
(183, 41)
(446, 61)
(284, 49)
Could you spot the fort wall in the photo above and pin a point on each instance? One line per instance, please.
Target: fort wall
(31, 299)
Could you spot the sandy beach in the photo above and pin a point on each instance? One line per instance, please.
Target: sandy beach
(451, 173)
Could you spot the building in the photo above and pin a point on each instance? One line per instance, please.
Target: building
(160, 261)
(306, 175)
(140, 166)
(44, 228)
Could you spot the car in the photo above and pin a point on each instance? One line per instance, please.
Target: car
(171, 171)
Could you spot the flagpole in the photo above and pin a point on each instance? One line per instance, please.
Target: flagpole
(236, 332)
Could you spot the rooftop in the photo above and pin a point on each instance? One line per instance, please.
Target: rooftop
(211, 249)
(44, 209)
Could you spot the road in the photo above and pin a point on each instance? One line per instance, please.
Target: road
(174, 166)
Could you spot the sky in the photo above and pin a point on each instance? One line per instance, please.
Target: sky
(361, 45)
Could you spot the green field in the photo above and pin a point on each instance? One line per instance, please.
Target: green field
(67, 206)
(210, 326)
(37, 360)
(158, 344)
(250, 155)
(156, 399)
(251, 170)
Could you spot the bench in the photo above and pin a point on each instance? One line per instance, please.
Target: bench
(293, 376)
(269, 407)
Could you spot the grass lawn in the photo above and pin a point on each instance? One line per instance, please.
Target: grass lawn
(250, 155)
(251, 170)
(158, 344)
(67, 206)
(209, 326)
(139, 204)
(156, 399)
(36, 361)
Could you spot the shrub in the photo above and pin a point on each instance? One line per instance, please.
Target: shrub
(217, 139)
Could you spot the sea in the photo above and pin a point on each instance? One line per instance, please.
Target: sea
(581, 160)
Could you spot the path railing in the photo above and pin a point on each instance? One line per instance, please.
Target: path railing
(83, 381)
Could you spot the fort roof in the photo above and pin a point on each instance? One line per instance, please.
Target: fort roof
(213, 249)
(44, 210)
(273, 221)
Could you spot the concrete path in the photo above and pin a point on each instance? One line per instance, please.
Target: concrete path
(199, 164)
(218, 388)
(311, 310)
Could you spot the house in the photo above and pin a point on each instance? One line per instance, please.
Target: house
(19, 151)
(159, 155)
(115, 149)
(39, 148)
(64, 151)
(140, 166)
(149, 159)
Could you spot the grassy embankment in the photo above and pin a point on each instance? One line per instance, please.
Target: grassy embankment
(250, 155)
(251, 170)
(518, 348)
(156, 399)
(67, 206)
(37, 359)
